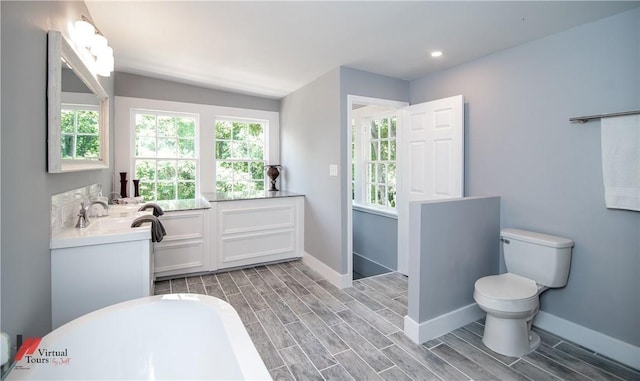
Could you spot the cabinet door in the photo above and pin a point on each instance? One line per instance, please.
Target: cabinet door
(185, 248)
(257, 231)
(87, 278)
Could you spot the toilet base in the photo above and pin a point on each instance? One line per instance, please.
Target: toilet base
(509, 337)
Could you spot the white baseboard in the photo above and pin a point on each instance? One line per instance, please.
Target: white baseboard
(608, 346)
(422, 332)
(412, 329)
(334, 277)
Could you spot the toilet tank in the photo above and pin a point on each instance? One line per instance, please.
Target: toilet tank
(540, 257)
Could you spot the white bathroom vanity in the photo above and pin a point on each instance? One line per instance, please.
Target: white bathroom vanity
(105, 263)
(224, 230)
(109, 262)
(257, 228)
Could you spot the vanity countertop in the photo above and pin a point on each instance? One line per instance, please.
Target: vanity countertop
(203, 202)
(181, 205)
(217, 196)
(109, 229)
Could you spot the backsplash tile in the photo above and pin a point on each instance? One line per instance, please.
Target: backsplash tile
(65, 206)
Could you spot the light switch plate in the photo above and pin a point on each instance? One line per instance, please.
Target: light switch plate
(333, 169)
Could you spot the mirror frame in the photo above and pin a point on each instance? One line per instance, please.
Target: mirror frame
(59, 48)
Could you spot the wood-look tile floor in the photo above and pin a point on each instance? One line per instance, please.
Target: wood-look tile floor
(306, 329)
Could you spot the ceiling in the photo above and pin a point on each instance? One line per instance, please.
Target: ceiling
(270, 48)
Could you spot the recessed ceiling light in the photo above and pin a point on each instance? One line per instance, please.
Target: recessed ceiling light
(436, 53)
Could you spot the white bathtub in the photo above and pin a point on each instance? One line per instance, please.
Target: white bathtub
(176, 336)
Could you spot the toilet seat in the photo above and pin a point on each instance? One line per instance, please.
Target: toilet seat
(507, 292)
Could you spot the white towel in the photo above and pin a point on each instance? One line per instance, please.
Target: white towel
(621, 161)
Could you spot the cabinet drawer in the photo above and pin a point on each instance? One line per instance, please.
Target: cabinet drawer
(258, 245)
(245, 219)
(179, 255)
(180, 224)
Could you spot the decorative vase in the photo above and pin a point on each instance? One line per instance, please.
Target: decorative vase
(136, 188)
(123, 184)
(273, 173)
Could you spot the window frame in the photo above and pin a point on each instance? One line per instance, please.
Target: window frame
(265, 147)
(80, 107)
(361, 122)
(196, 139)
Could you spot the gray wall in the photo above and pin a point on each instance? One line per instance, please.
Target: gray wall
(137, 86)
(310, 136)
(313, 130)
(375, 238)
(71, 83)
(26, 186)
(521, 146)
(453, 244)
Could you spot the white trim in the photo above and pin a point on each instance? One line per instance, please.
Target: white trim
(363, 118)
(80, 99)
(412, 329)
(377, 211)
(422, 332)
(334, 277)
(608, 346)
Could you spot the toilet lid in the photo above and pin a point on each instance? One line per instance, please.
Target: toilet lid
(506, 287)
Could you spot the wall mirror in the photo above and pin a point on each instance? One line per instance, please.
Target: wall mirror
(78, 111)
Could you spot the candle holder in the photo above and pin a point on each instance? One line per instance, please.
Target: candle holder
(136, 188)
(123, 184)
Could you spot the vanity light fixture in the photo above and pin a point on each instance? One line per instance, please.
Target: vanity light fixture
(93, 47)
(436, 53)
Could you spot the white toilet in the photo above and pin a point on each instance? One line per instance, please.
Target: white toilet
(534, 263)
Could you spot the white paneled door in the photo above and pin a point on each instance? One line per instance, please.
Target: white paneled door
(431, 160)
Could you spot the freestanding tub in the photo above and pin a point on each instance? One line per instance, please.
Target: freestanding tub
(175, 336)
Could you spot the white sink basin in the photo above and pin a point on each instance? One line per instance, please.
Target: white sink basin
(116, 227)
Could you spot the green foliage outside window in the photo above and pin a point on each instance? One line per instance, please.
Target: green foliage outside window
(239, 150)
(80, 134)
(165, 155)
(381, 164)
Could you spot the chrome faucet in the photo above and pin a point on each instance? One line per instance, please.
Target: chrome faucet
(83, 220)
(98, 202)
(110, 199)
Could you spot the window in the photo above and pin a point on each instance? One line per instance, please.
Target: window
(176, 149)
(240, 155)
(165, 158)
(380, 178)
(80, 129)
(374, 160)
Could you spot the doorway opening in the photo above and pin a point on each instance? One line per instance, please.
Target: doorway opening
(429, 153)
(372, 216)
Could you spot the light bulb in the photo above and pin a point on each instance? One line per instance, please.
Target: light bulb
(83, 32)
(105, 63)
(98, 44)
